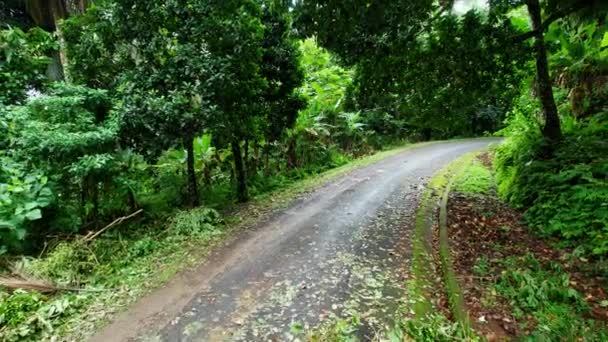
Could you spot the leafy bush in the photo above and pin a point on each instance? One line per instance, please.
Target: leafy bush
(23, 59)
(27, 316)
(566, 192)
(435, 327)
(22, 196)
(196, 222)
(557, 322)
(68, 263)
(16, 308)
(70, 136)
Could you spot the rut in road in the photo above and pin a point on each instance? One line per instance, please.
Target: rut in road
(342, 249)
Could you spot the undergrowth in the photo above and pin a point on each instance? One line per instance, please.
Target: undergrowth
(113, 269)
(563, 188)
(540, 295)
(543, 292)
(476, 180)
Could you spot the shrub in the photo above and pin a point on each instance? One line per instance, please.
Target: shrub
(566, 192)
(16, 308)
(198, 222)
(22, 196)
(68, 263)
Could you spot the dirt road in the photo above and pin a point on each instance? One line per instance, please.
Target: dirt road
(343, 249)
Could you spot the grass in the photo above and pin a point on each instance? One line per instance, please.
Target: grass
(428, 324)
(474, 179)
(127, 262)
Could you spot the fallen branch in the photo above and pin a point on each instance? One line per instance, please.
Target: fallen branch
(18, 283)
(114, 223)
(13, 283)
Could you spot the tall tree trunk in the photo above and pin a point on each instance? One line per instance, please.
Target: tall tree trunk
(193, 199)
(551, 130)
(239, 168)
(47, 14)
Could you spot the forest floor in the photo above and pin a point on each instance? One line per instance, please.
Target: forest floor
(339, 251)
(514, 283)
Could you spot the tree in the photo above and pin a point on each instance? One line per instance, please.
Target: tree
(554, 10)
(47, 14)
(282, 70)
(91, 49)
(413, 56)
(23, 59)
(172, 74)
(238, 83)
(415, 62)
(69, 136)
(551, 129)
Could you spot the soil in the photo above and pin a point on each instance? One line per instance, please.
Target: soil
(483, 226)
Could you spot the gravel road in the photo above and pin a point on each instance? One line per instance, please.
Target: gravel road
(341, 249)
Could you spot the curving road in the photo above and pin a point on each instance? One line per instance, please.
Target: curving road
(343, 249)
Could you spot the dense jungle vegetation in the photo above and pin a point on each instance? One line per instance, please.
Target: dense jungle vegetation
(109, 107)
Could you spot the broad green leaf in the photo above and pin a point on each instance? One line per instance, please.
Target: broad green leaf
(31, 205)
(33, 215)
(604, 43)
(20, 233)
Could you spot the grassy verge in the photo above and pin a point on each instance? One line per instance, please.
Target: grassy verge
(125, 263)
(431, 269)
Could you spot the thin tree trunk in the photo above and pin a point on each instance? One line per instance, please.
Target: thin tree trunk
(95, 200)
(291, 154)
(247, 161)
(256, 157)
(266, 159)
(193, 199)
(551, 130)
(239, 168)
(63, 56)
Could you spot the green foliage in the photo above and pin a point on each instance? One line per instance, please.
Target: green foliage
(22, 197)
(419, 69)
(565, 193)
(544, 292)
(66, 264)
(324, 130)
(434, 327)
(94, 57)
(70, 136)
(531, 288)
(162, 96)
(62, 162)
(200, 222)
(120, 263)
(340, 330)
(559, 322)
(282, 71)
(15, 309)
(474, 179)
(23, 60)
